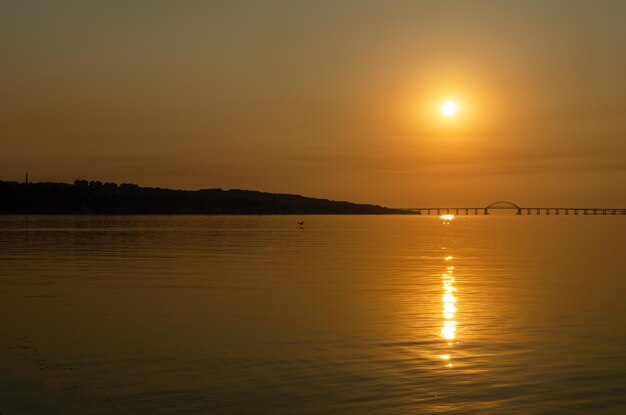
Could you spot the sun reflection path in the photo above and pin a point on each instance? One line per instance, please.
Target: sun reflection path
(449, 301)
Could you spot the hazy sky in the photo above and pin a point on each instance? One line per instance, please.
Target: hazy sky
(333, 99)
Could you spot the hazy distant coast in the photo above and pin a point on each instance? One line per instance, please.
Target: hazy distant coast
(94, 197)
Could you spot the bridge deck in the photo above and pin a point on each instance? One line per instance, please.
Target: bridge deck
(519, 210)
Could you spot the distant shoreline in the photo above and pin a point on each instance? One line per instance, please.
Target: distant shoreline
(98, 198)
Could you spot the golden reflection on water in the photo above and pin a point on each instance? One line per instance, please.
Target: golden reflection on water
(449, 309)
(449, 301)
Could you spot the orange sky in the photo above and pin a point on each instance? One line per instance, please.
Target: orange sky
(328, 99)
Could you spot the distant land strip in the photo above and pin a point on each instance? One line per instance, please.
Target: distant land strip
(94, 197)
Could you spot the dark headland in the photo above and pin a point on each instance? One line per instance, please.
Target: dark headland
(94, 197)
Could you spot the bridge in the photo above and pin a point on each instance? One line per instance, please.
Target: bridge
(503, 206)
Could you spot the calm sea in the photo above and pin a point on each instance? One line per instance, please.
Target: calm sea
(348, 315)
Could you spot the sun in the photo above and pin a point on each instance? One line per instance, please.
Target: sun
(449, 108)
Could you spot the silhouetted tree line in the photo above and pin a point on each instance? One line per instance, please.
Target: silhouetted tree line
(110, 198)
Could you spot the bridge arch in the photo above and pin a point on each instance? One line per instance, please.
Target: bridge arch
(503, 205)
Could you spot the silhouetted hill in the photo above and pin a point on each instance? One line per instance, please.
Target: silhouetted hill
(110, 198)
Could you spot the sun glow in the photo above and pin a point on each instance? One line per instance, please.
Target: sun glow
(449, 108)
(446, 217)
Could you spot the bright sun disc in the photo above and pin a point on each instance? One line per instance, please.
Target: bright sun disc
(448, 108)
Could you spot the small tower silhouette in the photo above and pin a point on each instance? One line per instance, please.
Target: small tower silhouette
(26, 178)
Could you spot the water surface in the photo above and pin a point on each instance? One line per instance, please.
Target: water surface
(349, 315)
